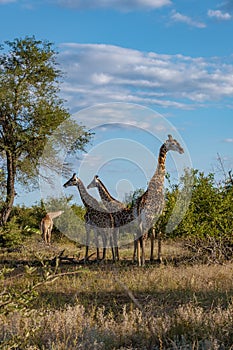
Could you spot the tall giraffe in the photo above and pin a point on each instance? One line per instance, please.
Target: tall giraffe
(46, 225)
(96, 218)
(150, 204)
(110, 203)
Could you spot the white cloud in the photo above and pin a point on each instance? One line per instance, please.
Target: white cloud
(178, 17)
(228, 140)
(101, 78)
(222, 16)
(99, 73)
(123, 5)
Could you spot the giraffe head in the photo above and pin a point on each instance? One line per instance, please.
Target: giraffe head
(173, 145)
(73, 181)
(94, 182)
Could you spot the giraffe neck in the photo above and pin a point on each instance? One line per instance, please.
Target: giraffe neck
(88, 201)
(155, 186)
(55, 214)
(110, 202)
(104, 194)
(157, 181)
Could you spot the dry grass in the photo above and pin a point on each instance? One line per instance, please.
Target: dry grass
(116, 306)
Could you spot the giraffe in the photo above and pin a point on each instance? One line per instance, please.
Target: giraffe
(121, 213)
(96, 218)
(150, 205)
(110, 203)
(46, 225)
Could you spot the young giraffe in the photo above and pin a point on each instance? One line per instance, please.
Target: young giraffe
(110, 203)
(46, 225)
(96, 218)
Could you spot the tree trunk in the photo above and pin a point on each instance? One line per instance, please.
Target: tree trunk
(10, 193)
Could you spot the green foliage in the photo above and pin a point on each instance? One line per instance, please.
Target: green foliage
(28, 218)
(24, 222)
(30, 107)
(10, 234)
(210, 211)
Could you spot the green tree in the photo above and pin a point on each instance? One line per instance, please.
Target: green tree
(30, 110)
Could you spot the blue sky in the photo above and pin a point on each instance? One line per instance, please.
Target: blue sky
(173, 57)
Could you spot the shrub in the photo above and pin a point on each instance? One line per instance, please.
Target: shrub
(10, 234)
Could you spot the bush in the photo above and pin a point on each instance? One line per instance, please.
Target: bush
(10, 235)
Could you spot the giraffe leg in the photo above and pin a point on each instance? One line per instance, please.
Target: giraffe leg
(104, 238)
(143, 251)
(115, 238)
(136, 238)
(104, 254)
(138, 252)
(117, 257)
(98, 253)
(44, 233)
(113, 250)
(135, 249)
(117, 254)
(50, 232)
(49, 236)
(87, 243)
(46, 236)
(152, 240)
(96, 234)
